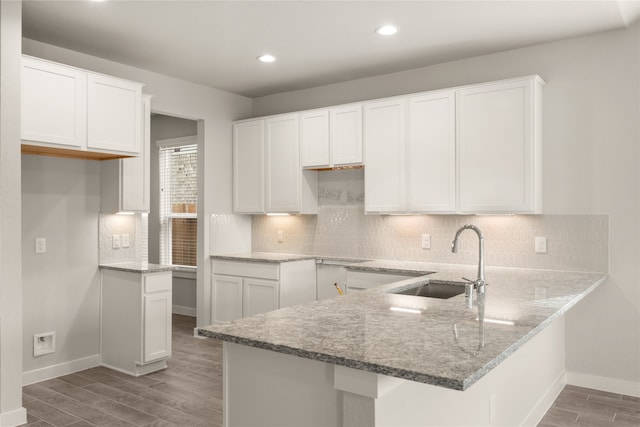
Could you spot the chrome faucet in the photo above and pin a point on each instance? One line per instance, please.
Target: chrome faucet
(479, 283)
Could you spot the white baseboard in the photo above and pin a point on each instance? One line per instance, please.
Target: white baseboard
(185, 311)
(59, 370)
(195, 334)
(546, 401)
(13, 418)
(612, 385)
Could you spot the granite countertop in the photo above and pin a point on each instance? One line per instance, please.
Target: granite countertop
(264, 257)
(412, 268)
(359, 330)
(137, 267)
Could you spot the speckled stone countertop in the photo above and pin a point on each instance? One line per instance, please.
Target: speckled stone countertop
(359, 330)
(388, 266)
(264, 257)
(137, 267)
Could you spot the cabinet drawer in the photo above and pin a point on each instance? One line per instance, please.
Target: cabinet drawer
(157, 282)
(259, 270)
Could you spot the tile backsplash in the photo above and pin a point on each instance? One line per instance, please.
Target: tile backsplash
(341, 229)
(133, 225)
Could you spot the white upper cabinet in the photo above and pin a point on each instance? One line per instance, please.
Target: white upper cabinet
(500, 147)
(431, 153)
(267, 176)
(248, 167)
(314, 139)
(282, 164)
(53, 104)
(331, 137)
(113, 114)
(125, 183)
(69, 108)
(384, 173)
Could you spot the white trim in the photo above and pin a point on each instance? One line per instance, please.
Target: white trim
(59, 370)
(196, 335)
(13, 418)
(546, 401)
(185, 311)
(177, 142)
(612, 385)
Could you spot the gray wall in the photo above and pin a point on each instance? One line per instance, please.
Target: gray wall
(591, 154)
(61, 288)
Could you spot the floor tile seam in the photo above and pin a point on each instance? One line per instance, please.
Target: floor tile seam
(91, 406)
(155, 415)
(57, 409)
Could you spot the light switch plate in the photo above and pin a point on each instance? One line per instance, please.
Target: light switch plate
(124, 240)
(426, 241)
(115, 241)
(280, 237)
(41, 245)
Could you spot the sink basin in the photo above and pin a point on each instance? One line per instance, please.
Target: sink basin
(434, 290)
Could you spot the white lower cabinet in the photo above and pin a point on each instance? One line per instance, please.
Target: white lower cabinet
(245, 288)
(136, 321)
(259, 296)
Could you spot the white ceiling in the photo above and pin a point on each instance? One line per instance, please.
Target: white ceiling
(216, 43)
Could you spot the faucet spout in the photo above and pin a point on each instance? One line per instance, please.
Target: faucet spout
(480, 281)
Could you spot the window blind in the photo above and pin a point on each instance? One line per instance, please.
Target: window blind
(178, 202)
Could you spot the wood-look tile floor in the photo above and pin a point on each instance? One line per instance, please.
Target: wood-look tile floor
(584, 407)
(187, 393)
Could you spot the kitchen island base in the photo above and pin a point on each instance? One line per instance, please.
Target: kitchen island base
(265, 388)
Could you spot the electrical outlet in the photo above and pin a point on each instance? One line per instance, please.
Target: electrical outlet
(541, 245)
(280, 237)
(41, 245)
(44, 343)
(124, 240)
(426, 241)
(115, 241)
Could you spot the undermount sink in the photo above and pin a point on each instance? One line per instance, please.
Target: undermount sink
(433, 290)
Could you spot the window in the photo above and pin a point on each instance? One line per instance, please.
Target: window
(178, 202)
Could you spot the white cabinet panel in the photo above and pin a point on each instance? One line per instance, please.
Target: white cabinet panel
(431, 153)
(384, 173)
(259, 296)
(331, 137)
(136, 320)
(53, 104)
(113, 114)
(248, 167)
(157, 326)
(124, 183)
(499, 151)
(283, 169)
(314, 139)
(226, 298)
(346, 135)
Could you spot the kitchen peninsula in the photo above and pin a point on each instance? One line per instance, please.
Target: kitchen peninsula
(381, 358)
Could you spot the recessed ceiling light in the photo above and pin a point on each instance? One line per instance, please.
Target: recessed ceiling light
(387, 30)
(267, 58)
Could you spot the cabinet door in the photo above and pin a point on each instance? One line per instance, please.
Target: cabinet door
(226, 296)
(346, 135)
(248, 167)
(53, 104)
(314, 139)
(283, 172)
(431, 153)
(259, 296)
(157, 326)
(113, 114)
(135, 170)
(495, 147)
(384, 138)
